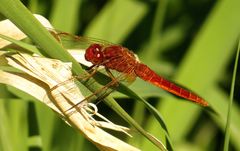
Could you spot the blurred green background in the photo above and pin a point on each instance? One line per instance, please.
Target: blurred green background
(191, 42)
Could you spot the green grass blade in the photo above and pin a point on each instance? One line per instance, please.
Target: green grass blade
(159, 19)
(116, 20)
(5, 136)
(46, 131)
(19, 123)
(220, 106)
(65, 15)
(229, 115)
(24, 45)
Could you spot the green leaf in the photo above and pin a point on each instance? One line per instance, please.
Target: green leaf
(65, 15)
(229, 116)
(116, 20)
(24, 45)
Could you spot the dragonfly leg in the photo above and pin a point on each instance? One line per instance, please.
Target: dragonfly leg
(55, 35)
(100, 93)
(115, 81)
(91, 72)
(91, 67)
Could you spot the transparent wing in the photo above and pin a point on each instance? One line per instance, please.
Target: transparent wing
(70, 41)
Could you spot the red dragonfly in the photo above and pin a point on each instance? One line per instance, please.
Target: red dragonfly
(121, 59)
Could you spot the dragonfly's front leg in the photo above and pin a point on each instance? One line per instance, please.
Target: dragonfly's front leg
(90, 73)
(92, 70)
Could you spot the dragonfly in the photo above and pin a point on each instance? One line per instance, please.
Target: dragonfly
(114, 57)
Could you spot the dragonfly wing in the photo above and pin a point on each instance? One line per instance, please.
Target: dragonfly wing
(70, 41)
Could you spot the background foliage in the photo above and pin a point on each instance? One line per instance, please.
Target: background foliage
(190, 42)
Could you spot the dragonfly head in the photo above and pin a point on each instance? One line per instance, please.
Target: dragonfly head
(94, 54)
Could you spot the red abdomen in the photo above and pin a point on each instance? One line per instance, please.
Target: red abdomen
(145, 73)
